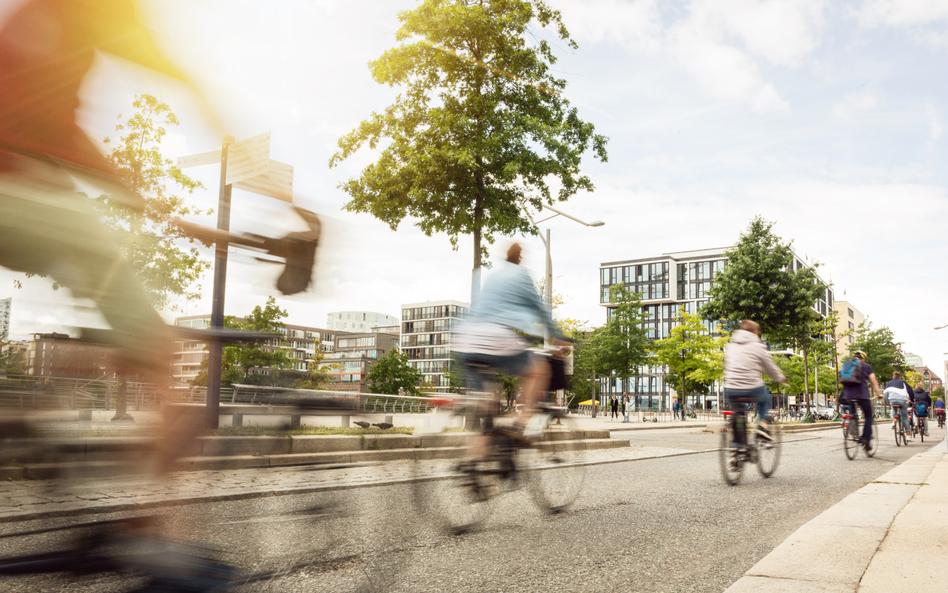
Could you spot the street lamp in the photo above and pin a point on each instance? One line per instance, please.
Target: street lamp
(548, 283)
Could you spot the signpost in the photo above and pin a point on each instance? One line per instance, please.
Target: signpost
(245, 165)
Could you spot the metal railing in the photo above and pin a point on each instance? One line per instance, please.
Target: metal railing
(44, 393)
(266, 396)
(654, 415)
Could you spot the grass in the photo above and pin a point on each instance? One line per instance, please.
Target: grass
(276, 431)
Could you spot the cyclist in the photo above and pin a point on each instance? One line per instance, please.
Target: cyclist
(940, 410)
(857, 394)
(489, 341)
(745, 359)
(923, 403)
(897, 394)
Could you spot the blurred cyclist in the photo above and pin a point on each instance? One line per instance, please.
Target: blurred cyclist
(940, 411)
(744, 361)
(491, 341)
(858, 394)
(897, 393)
(923, 403)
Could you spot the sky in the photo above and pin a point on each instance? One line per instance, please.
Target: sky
(826, 118)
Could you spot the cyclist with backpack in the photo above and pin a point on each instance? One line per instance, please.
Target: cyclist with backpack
(898, 393)
(940, 411)
(923, 403)
(856, 375)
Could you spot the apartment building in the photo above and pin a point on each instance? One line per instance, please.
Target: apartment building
(5, 306)
(359, 321)
(354, 356)
(58, 355)
(427, 338)
(849, 318)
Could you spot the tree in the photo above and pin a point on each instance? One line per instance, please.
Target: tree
(12, 361)
(938, 392)
(245, 362)
(147, 238)
(883, 353)
(760, 283)
(481, 128)
(693, 356)
(391, 373)
(623, 345)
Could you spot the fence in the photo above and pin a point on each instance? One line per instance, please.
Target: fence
(23, 392)
(262, 395)
(655, 415)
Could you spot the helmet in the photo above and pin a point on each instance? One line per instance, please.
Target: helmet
(860, 354)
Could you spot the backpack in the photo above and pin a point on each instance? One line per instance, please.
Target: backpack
(851, 373)
(921, 409)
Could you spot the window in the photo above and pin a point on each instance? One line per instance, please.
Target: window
(850, 312)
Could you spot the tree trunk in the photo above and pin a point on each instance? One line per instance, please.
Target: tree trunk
(806, 376)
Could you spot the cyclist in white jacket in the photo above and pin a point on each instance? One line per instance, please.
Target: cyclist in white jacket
(744, 361)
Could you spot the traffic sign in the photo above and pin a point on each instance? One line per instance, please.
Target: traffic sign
(248, 158)
(196, 160)
(276, 183)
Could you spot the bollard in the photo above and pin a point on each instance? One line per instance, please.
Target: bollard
(85, 416)
(389, 419)
(237, 420)
(345, 422)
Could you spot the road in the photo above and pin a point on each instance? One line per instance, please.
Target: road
(653, 525)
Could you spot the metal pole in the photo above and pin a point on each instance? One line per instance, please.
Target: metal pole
(216, 351)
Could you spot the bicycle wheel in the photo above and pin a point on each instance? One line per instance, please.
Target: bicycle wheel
(921, 430)
(554, 467)
(873, 440)
(897, 429)
(732, 466)
(768, 452)
(849, 443)
(455, 494)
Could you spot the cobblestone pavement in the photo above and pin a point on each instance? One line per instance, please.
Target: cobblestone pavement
(36, 499)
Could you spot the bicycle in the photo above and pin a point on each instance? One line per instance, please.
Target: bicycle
(735, 450)
(548, 461)
(920, 425)
(898, 426)
(852, 434)
(940, 413)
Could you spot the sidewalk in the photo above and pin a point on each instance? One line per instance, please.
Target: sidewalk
(890, 536)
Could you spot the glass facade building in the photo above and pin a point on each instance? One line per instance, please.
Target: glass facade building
(669, 284)
(427, 337)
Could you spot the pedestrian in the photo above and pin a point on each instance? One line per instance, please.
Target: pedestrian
(615, 407)
(625, 407)
(676, 407)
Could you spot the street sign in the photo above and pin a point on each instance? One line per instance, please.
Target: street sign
(276, 183)
(248, 158)
(195, 160)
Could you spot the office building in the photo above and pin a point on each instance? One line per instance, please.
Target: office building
(669, 284)
(359, 321)
(929, 377)
(354, 356)
(914, 360)
(5, 306)
(58, 355)
(427, 338)
(849, 319)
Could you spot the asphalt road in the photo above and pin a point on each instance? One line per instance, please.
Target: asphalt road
(668, 524)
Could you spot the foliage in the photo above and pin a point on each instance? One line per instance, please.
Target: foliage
(694, 357)
(242, 362)
(883, 353)
(147, 238)
(938, 392)
(581, 386)
(792, 368)
(622, 346)
(13, 362)
(911, 376)
(758, 283)
(480, 128)
(391, 373)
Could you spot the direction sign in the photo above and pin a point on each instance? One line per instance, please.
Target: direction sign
(276, 183)
(196, 160)
(248, 158)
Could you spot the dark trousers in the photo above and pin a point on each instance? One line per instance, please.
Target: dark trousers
(866, 406)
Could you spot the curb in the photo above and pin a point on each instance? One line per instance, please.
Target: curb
(832, 551)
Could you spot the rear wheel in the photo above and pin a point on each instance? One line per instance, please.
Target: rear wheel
(553, 466)
(732, 466)
(768, 452)
(849, 443)
(921, 430)
(899, 431)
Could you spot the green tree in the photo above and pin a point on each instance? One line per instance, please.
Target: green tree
(694, 357)
(622, 346)
(760, 283)
(883, 353)
(480, 128)
(938, 392)
(391, 373)
(12, 362)
(147, 238)
(244, 362)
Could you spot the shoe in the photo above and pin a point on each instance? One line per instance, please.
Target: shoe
(763, 434)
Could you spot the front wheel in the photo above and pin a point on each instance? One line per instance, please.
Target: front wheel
(897, 429)
(849, 443)
(873, 440)
(732, 466)
(554, 464)
(768, 452)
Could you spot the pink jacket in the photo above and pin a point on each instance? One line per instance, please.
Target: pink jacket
(745, 358)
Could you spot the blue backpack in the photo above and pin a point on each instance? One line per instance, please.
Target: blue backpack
(851, 373)
(921, 409)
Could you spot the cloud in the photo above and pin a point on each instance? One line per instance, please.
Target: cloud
(874, 13)
(854, 103)
(722, 44)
